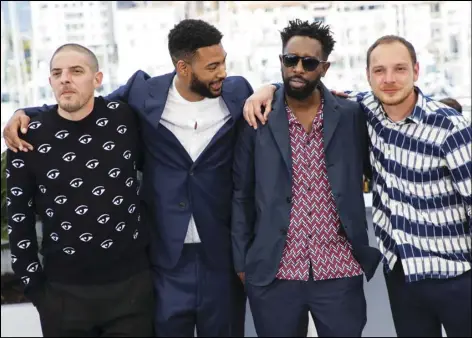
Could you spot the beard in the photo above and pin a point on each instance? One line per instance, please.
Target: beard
(201, 88)
(302, 93)
(397, 99)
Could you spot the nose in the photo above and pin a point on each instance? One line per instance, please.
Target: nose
(222, 72)
(298, 68)
(65, 77)
(389, 76)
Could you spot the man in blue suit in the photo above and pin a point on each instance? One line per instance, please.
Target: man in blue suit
(299, 226)
(188, 125)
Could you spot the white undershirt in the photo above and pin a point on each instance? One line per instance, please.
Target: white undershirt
(194, 124)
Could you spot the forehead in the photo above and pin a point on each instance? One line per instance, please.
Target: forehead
(304, 46)
(70, 58)
(206, 55)
(388, 54)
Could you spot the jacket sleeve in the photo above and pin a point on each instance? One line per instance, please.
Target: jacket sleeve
(243, 206)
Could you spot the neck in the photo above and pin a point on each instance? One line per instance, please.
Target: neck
(401, 111)
(185, 92)
(311, 101)
(79, 114)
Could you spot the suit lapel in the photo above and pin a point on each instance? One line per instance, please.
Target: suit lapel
(331, 116)
(155, 102)
(278, 124)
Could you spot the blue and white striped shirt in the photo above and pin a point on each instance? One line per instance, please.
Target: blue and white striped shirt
(422, 187)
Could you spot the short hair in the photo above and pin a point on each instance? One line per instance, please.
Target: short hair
(188, 36)
(81, 49)
(453, 103)
(315, 30)
(390, 39)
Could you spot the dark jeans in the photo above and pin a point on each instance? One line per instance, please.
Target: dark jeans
(419, 308)
(123, 309)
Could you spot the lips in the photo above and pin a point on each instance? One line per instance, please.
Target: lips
(216, 86)
(297, 83)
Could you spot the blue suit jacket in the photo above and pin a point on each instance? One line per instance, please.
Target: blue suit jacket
(263, 187)
(174, 187)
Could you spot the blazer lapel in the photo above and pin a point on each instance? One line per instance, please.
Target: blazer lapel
(331, 116)
(155, 102)
(278, 124)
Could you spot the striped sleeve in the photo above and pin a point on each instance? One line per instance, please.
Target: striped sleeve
(457, 153)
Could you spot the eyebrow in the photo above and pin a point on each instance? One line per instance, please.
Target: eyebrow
(216, 63)
(72, 67)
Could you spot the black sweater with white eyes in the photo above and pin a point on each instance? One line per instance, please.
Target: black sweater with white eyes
(80, 180)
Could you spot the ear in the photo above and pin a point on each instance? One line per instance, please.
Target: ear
(50, 82)
(416, 71)
(98, 78)
(325, 68)
(182, 68)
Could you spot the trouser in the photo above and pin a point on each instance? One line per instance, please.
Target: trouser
(123, 309)
(420, 308)
(192, 296)
(338, 307)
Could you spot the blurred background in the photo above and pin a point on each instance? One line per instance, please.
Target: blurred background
(131, 35)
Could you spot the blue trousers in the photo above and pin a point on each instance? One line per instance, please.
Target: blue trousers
(419, 308)
(192, 296)
(338, 307)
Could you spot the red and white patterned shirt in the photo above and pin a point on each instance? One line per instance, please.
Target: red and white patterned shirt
(314, 233)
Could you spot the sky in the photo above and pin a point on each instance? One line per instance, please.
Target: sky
(23, 12)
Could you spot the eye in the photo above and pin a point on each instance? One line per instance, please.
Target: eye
(8, 201)
(129, 182)
(66, 225)
(135, 234)
(87, 237)
(82, 210)
(103, 218)
(53, 174)
(30, 203)
(13, 259)
(25, 280)
(69, 157)
(76, 182)
(118, 200)
(106, 244)
(102, 122)
(120, 226)
(84, 139)
(109, 145)
(54, 236)
(98, 191)
(131, 208)
(62, 134)
(24, 244)
(34, 125)
(9, 229)
(92, 164)
(18, 218)
(18, 163)
(50, 212)
(114, 173)
(42, 188)
(69, 250)
(113, 105)
(15, 191)
(127, 154)
(7, 173)
(32, 267)
(121, 129)
(60, 199)
(44, 148)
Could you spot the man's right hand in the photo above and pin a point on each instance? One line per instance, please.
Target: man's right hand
(19, 121)
(242, 276)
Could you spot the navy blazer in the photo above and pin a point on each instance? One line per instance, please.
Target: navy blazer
(174, 187)
(263, 186)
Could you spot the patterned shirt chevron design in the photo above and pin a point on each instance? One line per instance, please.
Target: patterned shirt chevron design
(422, 199)
(315, 233)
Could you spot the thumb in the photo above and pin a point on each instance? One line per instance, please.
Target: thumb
(268, 108)
(24, 120)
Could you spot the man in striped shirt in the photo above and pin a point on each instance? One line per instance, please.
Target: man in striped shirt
(421, 162)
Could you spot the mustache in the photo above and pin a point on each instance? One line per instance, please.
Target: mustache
(298, 78)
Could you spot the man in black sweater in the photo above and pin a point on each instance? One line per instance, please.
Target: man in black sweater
(81, 181)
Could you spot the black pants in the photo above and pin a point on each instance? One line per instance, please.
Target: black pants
(123, 309)
(338, 307)
(419, 308)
